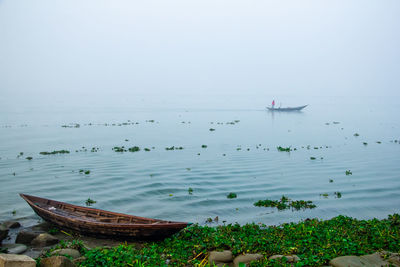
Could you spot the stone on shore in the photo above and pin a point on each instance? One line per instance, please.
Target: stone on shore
(12, 260)
(44, 240)
(394, 258)
(79, 260)
(15, 248)
(376, 259)
(289, 258)
(3, 232)
(56, 261)
(67, 251)
(25, 237)
(216, 257)
(246, 259)
(11, 224)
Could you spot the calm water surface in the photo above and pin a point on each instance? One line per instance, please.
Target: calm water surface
(240, 157)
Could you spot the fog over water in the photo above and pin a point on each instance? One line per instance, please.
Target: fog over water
(181, 68)
(166, 49)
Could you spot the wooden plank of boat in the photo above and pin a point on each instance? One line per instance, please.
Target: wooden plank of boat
(287, 109)
(91, 221)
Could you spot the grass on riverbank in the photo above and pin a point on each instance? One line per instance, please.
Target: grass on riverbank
(314, 241)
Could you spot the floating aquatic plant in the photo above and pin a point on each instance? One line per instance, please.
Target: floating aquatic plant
(54, 152)
(285, 203)
(203, 146)
(356, 134)
(302, 204)
(190, 191)
(134, 149)
(29, 158)
(119, 149)
(174, 148)
(338, 194)
(84, 171)
(232, 195)
(210, 220)
(90, 202)
(331, 180)
(71, 125)
(312, 158)
(348, 172)
(146, 149)
(283, 149)
(212, 129)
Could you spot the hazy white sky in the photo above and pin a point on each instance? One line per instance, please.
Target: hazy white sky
(171, 47)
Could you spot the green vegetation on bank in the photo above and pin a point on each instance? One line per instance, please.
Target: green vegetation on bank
(314, 241)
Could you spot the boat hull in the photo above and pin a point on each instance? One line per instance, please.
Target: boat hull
(287, 109)
(101, 223)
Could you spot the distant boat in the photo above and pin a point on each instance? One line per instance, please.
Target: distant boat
(100, 222)
(287, 109)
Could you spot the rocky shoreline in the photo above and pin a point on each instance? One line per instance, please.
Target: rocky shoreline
(25, 244)
(39, 245)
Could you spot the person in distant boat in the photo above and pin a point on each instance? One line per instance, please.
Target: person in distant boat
(273, 104)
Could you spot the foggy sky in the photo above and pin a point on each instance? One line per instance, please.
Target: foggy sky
(172, 47)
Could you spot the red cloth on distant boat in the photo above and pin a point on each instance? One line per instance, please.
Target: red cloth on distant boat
(273, 102)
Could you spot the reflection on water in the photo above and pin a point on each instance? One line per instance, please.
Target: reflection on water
(240, 157)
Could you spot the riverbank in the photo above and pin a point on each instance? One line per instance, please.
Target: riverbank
(314, 242)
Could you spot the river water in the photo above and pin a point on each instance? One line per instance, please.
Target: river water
(241, 157)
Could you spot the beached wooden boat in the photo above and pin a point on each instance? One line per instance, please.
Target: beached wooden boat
(101, 223)
(287, 109)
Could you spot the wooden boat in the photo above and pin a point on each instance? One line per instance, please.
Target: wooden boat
(101, 223)
(287, 109)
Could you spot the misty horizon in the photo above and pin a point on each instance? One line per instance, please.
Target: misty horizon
(200, 49)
